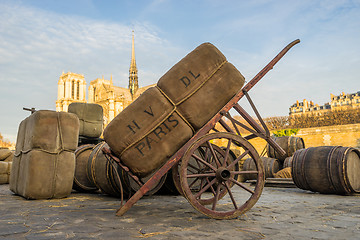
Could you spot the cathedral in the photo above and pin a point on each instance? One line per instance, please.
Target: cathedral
(113, 99)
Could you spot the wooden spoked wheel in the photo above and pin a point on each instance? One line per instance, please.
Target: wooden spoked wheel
(205, 151)
(224, 195)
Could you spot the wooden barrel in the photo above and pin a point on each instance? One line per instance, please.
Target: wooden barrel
(271, 166)
(327, 169)
(109, 178)
(169, 188)
(287, 162)
(82, 183)
(289, 143)
(154, 189)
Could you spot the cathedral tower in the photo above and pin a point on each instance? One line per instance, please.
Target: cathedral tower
(133, 72)
(71, 88)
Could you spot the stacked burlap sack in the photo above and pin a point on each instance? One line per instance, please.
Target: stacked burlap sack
(151, 129)
(91, 121)
(44, 161)
(6, 157)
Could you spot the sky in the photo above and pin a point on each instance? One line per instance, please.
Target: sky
(41, 39)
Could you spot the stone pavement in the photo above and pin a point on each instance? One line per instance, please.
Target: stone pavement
(280, 213)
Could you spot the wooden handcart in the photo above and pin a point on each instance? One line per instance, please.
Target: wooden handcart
(208, 175)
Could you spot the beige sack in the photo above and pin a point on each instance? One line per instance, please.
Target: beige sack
(5, 168)
(4, 153)
(201, 84)
(90, 116)
(147, 133)
(44, 162)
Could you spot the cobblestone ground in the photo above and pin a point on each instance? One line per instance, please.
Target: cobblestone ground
(280, 213)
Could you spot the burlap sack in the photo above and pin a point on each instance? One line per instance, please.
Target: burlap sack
(147, 133)
(4, 153)
(90, 116)
(283, 173)
(201, 84)
(4, 167)
(4, 178)
(51, 131)
(44, 161)
(9, 158)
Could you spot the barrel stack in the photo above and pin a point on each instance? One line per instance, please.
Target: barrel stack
(290, 144)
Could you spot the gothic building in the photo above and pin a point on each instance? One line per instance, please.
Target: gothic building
(113, 99)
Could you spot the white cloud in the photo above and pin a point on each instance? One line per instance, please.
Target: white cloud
(36, 46)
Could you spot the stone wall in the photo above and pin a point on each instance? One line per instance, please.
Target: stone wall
(340, 135)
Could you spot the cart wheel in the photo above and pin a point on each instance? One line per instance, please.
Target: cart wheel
(228, 197)
(196, 184)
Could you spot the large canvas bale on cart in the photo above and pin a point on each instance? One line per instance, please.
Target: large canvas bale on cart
(90, 116)
(44, 160)
(147, 133)
(201, 84)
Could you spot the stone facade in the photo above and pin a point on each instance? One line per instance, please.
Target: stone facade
(113, 99)
(341, 102)
(71, 88)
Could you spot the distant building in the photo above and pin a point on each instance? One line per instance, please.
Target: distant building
(341, 102)
(113, 99)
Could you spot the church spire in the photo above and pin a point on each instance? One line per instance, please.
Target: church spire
(133, 72)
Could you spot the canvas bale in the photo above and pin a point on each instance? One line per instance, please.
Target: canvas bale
(5, 168)
(4, 153)
(147, 133)
(17, 156)
(201, 84)
(91, 118)
(283, 173)
(44, 161)
(10, 157)
(4, 178)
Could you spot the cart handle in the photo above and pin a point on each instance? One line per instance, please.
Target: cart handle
(269, 66)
